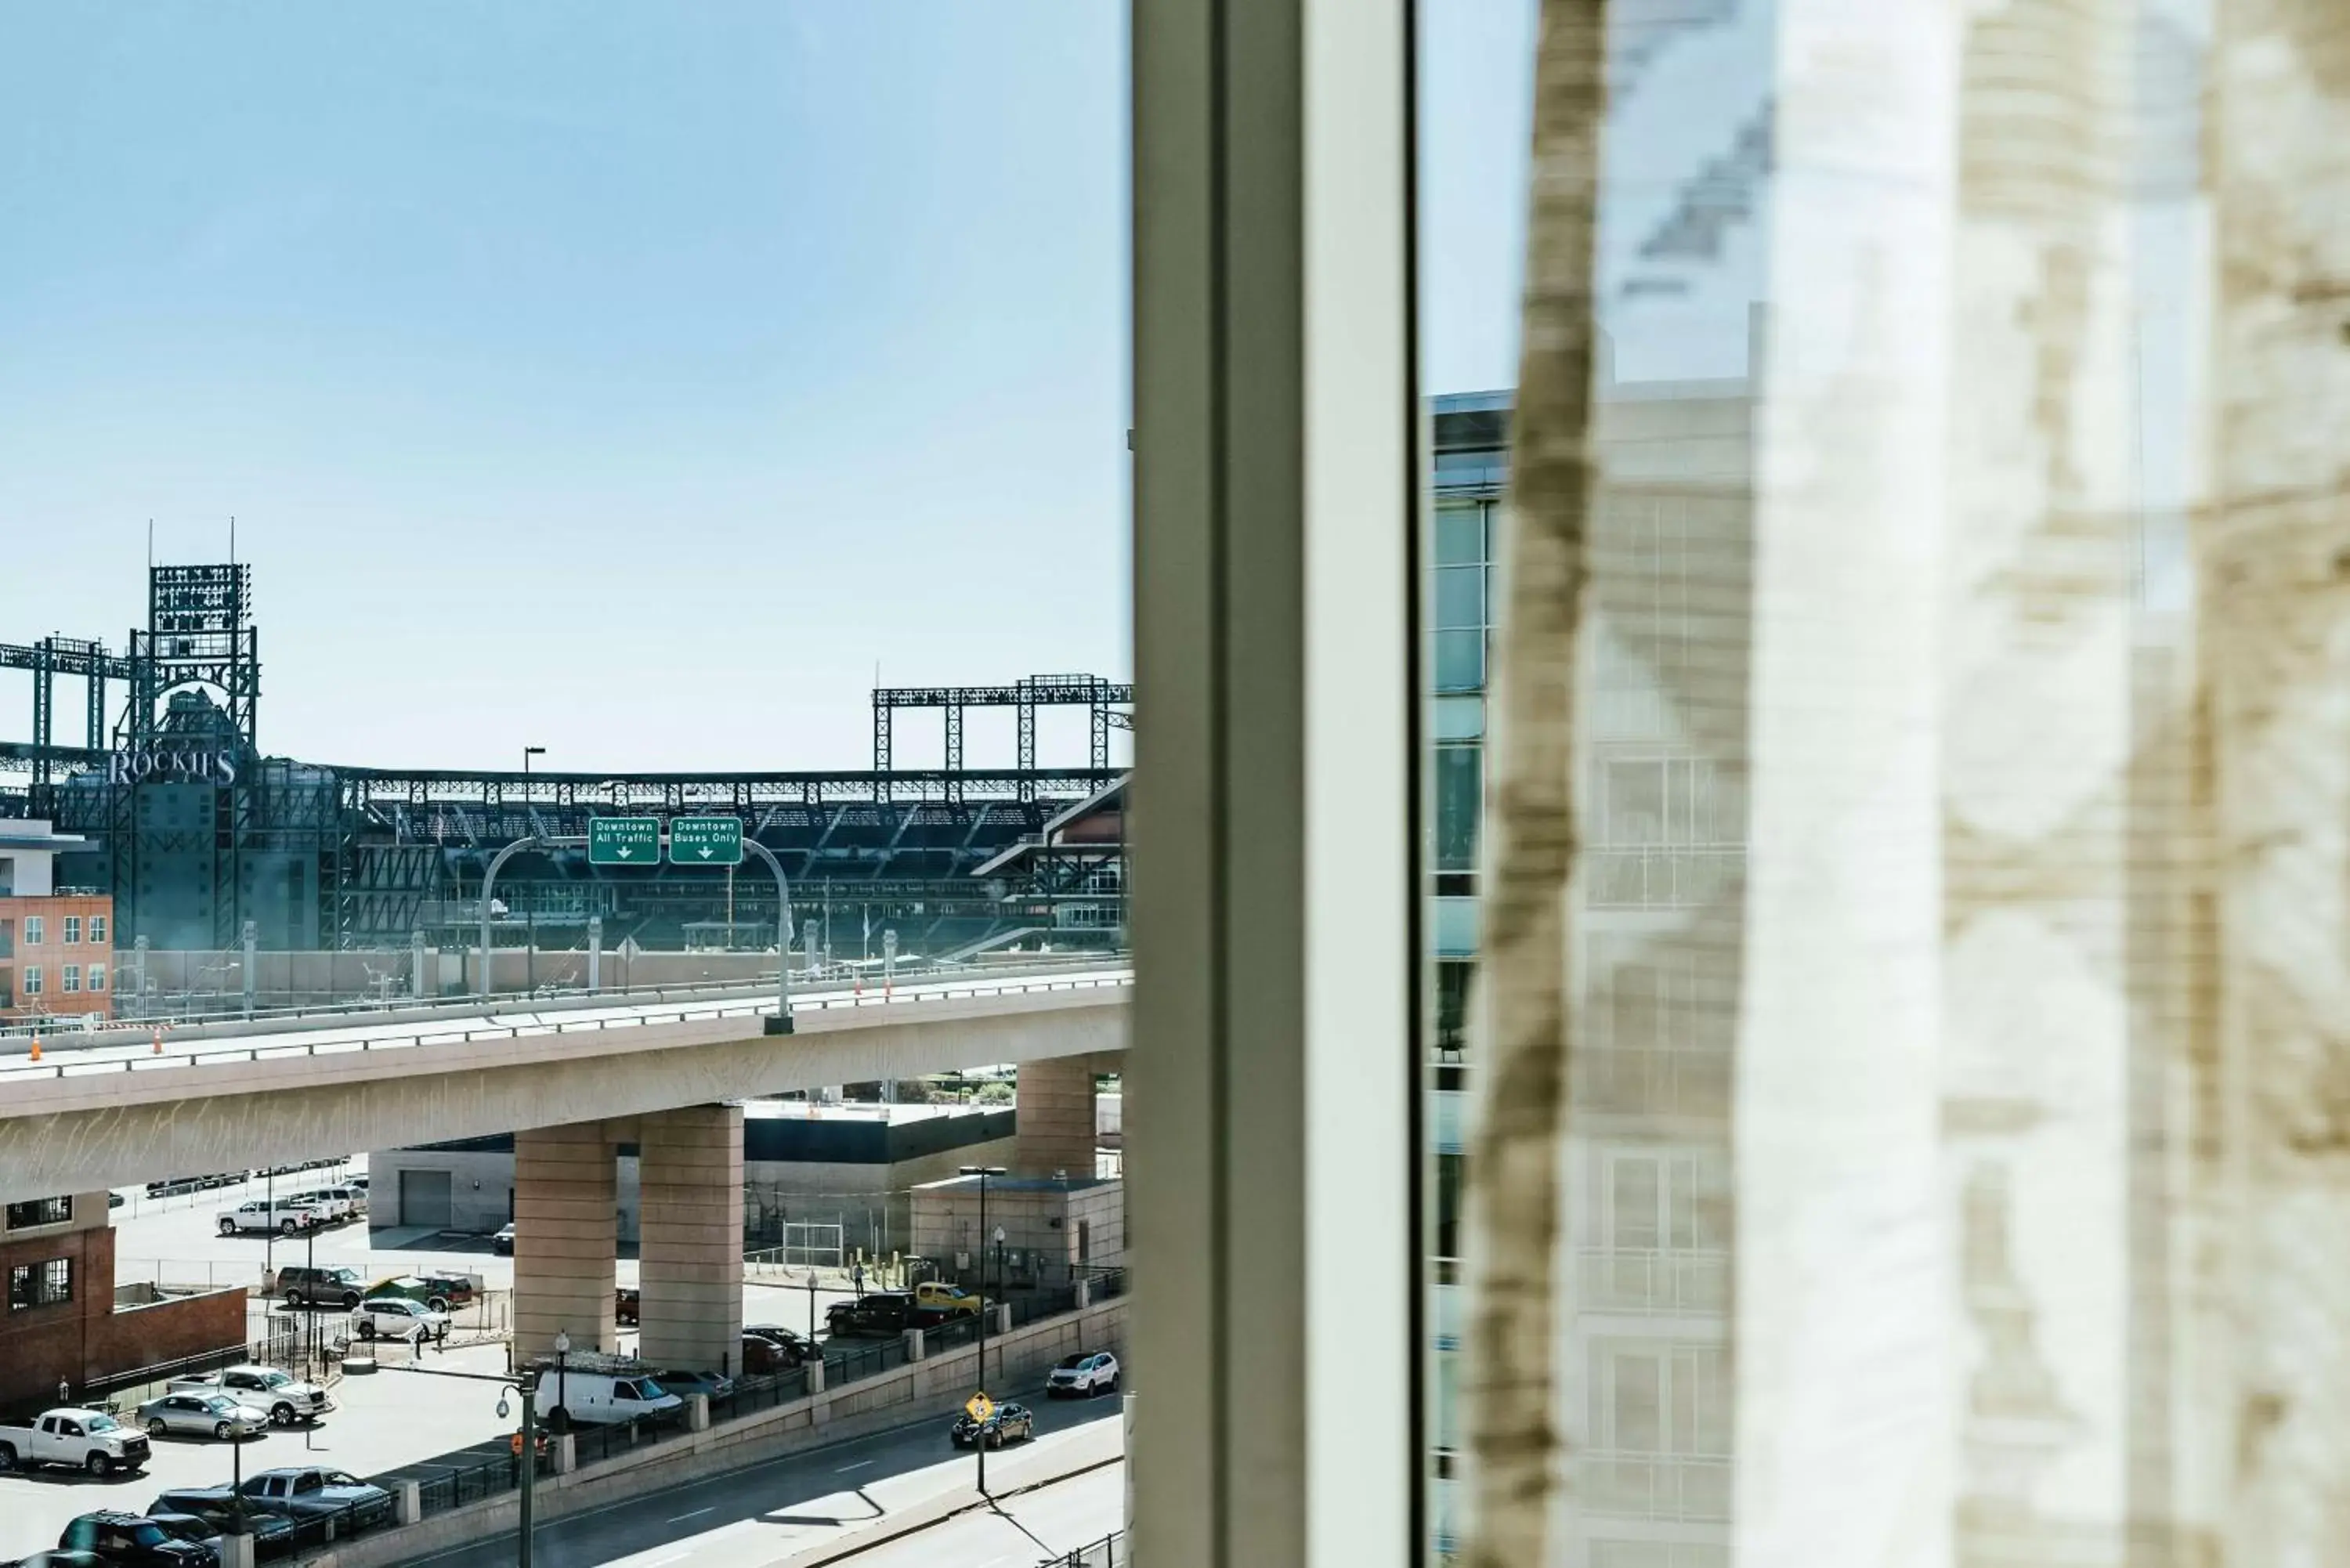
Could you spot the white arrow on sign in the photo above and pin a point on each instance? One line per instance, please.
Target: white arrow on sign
(706, 852)
(625, 852)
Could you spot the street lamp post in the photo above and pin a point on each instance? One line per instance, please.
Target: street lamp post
(528, 753)
(527, 1456)
(979, 1440)
(562, 1379)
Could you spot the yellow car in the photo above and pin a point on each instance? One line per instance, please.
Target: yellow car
(952, 1301)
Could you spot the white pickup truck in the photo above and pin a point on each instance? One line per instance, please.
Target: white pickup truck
(89, 1440)
(284, 1216)
(286, 1399)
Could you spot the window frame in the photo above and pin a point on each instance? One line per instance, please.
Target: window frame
(1279, 638)
(14, 1221)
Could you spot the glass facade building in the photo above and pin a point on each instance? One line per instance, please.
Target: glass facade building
(1662, 783)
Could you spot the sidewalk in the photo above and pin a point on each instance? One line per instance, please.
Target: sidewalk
(1088, 1448)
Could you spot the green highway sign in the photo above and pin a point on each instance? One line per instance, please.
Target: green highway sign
(623, 840)
(705, 841)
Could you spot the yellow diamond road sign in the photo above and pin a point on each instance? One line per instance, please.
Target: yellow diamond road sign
(979, 1407)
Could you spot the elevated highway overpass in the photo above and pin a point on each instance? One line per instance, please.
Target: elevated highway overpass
(100, 1110)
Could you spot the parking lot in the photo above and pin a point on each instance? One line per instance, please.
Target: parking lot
(392, 1419)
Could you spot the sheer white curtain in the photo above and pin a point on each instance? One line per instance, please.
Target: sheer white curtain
(2035, 1153)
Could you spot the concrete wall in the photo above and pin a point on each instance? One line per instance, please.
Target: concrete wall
(871, 1203)
(1040, 1223)
(106, 1128)
(934, 1386)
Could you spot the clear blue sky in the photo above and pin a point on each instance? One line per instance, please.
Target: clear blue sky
(629, 378)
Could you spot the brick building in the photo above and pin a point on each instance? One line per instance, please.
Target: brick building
(61, 1324)
(56, 957)
(57, 946)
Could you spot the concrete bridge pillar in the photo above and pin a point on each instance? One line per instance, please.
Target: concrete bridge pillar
(567, 1204)
(1054, 1118)
(690, 1250)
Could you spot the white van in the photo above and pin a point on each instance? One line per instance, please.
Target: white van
(597, 1398)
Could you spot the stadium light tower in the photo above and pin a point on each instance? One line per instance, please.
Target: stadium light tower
(528, 753)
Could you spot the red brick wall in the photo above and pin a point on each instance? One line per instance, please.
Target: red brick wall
(85, 1339)
(169, 1330)
(39, 1346)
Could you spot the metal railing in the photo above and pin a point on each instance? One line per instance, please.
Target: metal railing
(1647, 1279)
(908, 971)
(1689, 1488)
(930, 991)
(1110, 1551)
(459, 1485)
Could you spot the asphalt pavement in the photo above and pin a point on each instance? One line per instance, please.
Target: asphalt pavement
(752, 1517)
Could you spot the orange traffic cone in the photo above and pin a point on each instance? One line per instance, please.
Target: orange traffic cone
(36, 1047)
(159, 1040)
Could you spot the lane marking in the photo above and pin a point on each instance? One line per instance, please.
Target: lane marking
(673, 1557)
(857, 1465)
(697, 1513)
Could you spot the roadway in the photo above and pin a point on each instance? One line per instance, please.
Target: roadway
(756, 1516)
(72, 1053)
(104, 1114)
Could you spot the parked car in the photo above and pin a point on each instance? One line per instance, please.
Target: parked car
(789, 1339)
(133, 1540)
(62, 1560)
(503, 1243)
(882, 1313)
(332, 1205)
(591, 1398)
(114, 1201)
(1086, 1374)
(686, 1385)
(1007, 1423)
(297, 1493)
(397, 1317)
(764, 1357)
(190, 1413)
(285, 1217)
(196, 1532)
(304, 1286)
(287, 1398)
(215, 1510)
(628, 1305)
(438, 1291)
(947, 1300)
(73, 1438)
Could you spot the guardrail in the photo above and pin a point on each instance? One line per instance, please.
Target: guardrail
(930, 992)
(1110, 1551)
(908, 972)
(464, 1484)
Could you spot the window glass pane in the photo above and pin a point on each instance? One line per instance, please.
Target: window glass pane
(1460, 660)
(1636, 803)
(1451, 1006)
(1460, 533)
(1460, 718)
(1449, 1170)
(1459, 781)
(1633, 1205)
(1636, 1406)
(1459, 597)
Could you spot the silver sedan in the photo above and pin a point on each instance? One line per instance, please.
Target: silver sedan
(202, 1416)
